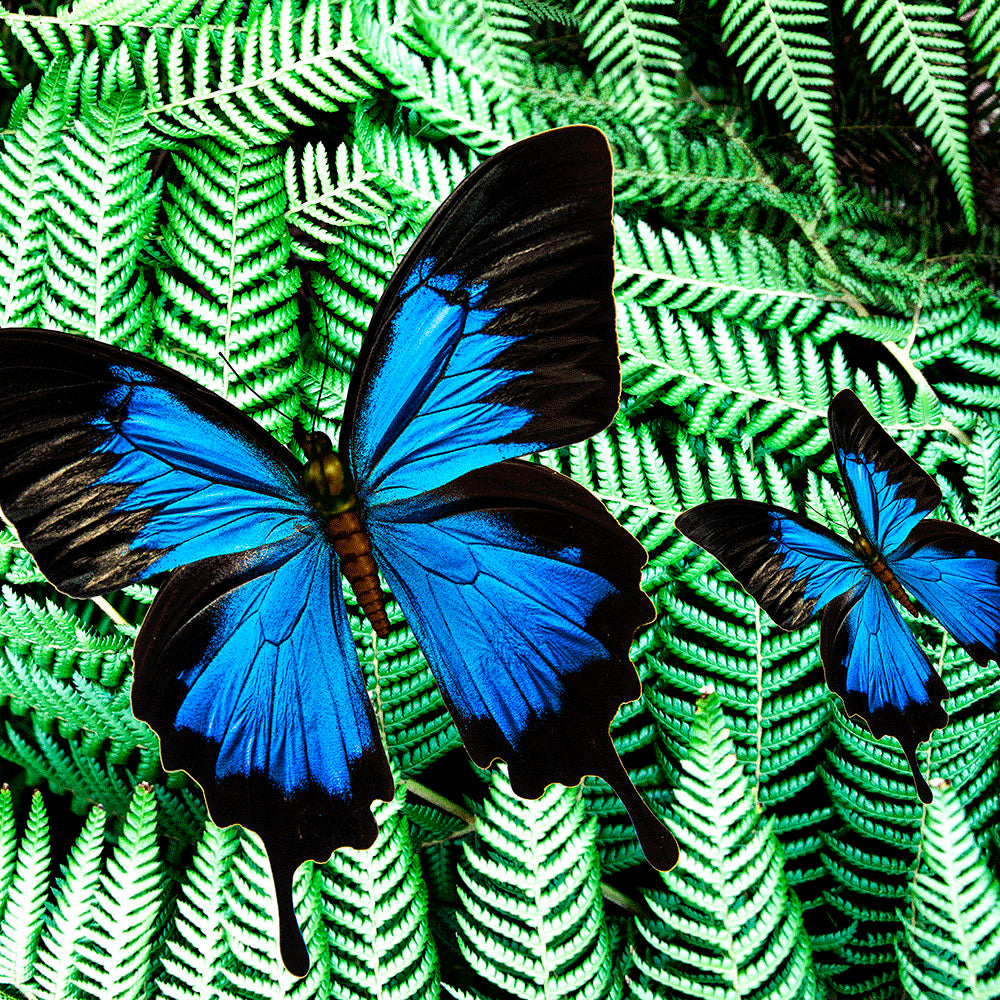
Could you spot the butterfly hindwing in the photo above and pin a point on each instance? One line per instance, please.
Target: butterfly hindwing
(246, 667)
(955, 575)
(790, 565)
(113, 468)
(495, 336)
(524, 594)
(873, 662)
(888, 492)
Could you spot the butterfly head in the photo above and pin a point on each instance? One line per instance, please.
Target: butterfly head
(325, 476)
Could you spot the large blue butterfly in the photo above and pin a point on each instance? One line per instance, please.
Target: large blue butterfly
(495, 338)
(794, 568)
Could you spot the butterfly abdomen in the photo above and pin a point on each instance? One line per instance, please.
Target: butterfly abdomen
(880, 570)
(326, 479)
(350, 541)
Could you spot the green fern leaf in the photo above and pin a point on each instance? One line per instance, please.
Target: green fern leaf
(634, 46)
(105, 203)
(68, 910)
(28, 164)
(196, 945)
(951, 946)
(531, 922)
(375, 907)
(724, 923)
(124, 918)
(227, 308)
(227, 84)
(912, 43)
(21, 917)
(793, 66)
(253, 970)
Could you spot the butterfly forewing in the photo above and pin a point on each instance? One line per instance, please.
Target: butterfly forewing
(790, 565)
(888, 492)
(495, 336)
(113, 468)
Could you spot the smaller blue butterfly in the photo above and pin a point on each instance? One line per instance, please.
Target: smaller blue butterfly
(794, 568)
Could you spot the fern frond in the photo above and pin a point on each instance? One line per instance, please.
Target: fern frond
(68, 911)
(324, 197)
(786, 58)
(253, 970)
(105, 205)
(912, 44)
(530, 921)
(22, 911)
(253, 86)
(375, 910)
(738, 927)
(951, 944)
(229, 298)
(984, 32)
(635, 48)
(117, 940)
(462, 108)
(750, 279)
(28, 165)
(196, 947)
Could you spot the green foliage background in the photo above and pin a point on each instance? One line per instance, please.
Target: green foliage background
(806, 200)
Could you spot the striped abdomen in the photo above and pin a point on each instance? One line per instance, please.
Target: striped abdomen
(347, 535)
(880, 569)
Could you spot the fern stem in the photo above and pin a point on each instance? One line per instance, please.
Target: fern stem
(436, 799)
(111, 612)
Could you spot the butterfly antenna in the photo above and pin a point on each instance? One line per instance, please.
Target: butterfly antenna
(267, 402)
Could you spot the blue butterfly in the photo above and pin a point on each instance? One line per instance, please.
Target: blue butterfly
(494, 338)
(794, 568)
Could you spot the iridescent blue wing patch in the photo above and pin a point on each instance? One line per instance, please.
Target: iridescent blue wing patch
(888, 492)
(495, 336)
(245, 665)
(524, 594)
(113, 468)
(954, 573)
(873, 662)
(791, 566)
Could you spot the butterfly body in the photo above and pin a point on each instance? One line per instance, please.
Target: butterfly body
(879, 568)
(495, 338)
(797, 569)
(327, 483)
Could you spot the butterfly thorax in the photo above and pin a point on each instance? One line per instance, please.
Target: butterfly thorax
(328, 484)
(875, 562)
